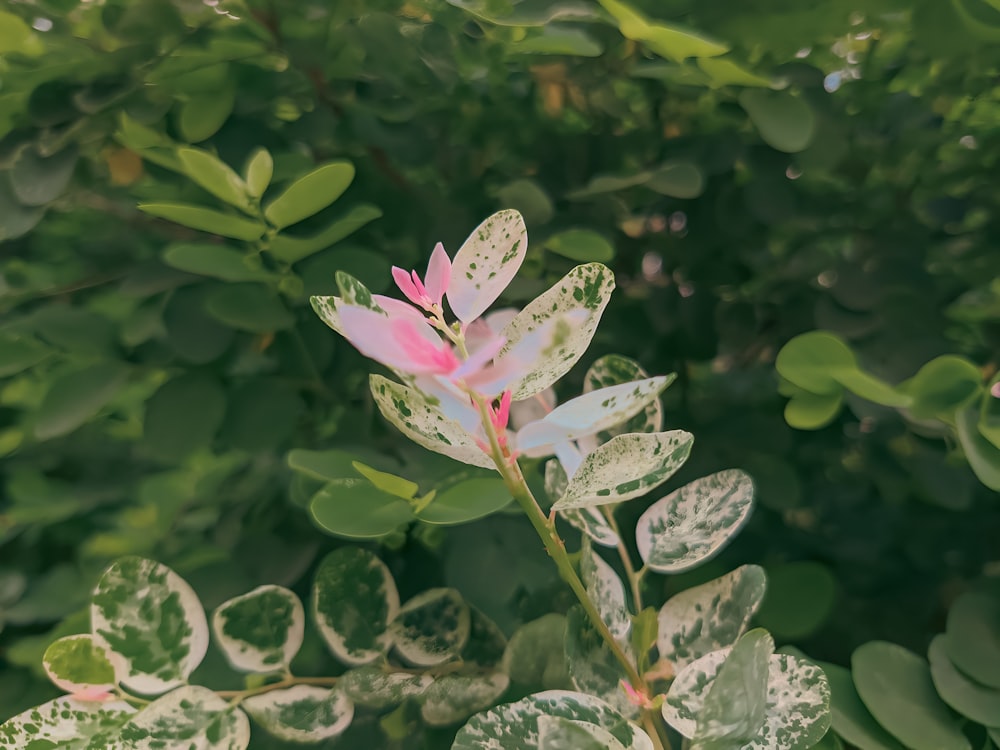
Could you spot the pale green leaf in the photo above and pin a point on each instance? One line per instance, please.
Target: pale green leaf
(378, 688)
(556, 40)
(290, 249)
(258, 172)
(65, 724)
(216, 177)
(387, 482)
(191, 717)
(76, 662)
(310, 194)
(466, 501)
(784, 122)
(302, 713)
(982, 455)
(581, 245)
(200, 116)
(260, 631)
(432, 627)
(678, 179)
(356, 509)
(38, 180)
(669, 41)
(206, 220)
(810, 360)
(217, 261)
(811, 411)
(726, 72)
(17, 37)
(76, 397)
(486, 263)
(453, 698)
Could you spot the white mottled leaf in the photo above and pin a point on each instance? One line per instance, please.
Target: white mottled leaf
(592, 666)
(77, 662)
(191, 717)
(453, 698)
(260, 631)
(486, 263)
(354, 599)
(693, 523)
(706, 618)
(150, 616)
(425, 425)
(584, 291)
(557, 733)
(432, 627)
(798, 701)
(65, 724)
(625, 467)
(613, 369)
(302, 713)
(372, 687)
(588, 520)
(514, 726)
(588, 414)
(606, 590)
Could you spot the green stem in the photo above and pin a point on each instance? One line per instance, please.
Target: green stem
(633, 578)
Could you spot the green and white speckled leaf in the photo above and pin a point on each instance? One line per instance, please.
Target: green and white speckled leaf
(588, 520)
(65, 724)
(353, 292)
(260, 631)
(693, 523)
(514, 726)
(705, 618)
(486, 263)
(150, 616)
(454, 698)
(613, 369)
(77, 662)
(557, 733)
(326, 309)
(626, 466)
(584, 290)
(372, 687)
(408, 411)
(191, 717)
(486, 644)
(593, 668)
(798, 701)
(432, 627)
(354, 599)
(606, 590)
(303, 713)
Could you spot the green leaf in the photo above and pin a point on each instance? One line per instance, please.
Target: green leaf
(249, 307)
(535, 654)
(183, 416)
(262, 414)
(217, 261)
(706, 618)
(356, 509)
(602, 184)
(487, 642)
(514, 726)
(258, 172)
(871, 388)
(942, 386)
(584, 291)
(800, 598)
(726, 72)
(784, 122)
(290, 249)
(387, 482)
(553, 40)
(529, 13)
(972, 636)
(606, 591)
(626, 466)
(260, 631)
(895, 684)
(849, 716)
(206, 220)
(678, 179)
(302, 713)
(557, 733)
(669, 41)
(18, 353)
(809, 411)
(38, 180)
(323, 465)
(582, 245)
(354, 599)
(529, 199)
(373, 687)
(192, 333)
(408, 411)
(432, 627)
(76, 397)
(982, 455)
(969, 698)
(191, 717)
(64, 723)
(592, 666)
(201, 115)
(216, 177)
(148, 615)
(16, 219)
(453, 698)
(310, 194)
(17, 37)
(810, 360)
(692, 524)
(75, 662)
(466, 501)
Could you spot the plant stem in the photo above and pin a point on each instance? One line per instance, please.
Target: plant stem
(239, 695)
(633, 579)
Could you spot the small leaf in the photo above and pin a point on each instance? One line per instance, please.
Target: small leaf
(217, 261)
(432, 627)
(216, 177)
(453, 698)
(38, 180)
(581, 245)
(201, 116)
(192, 717)
(592, 666)
(374, 687)
(17, 37)
(556, 40)
(692, 524)
(356, 509)
(784, 122)
(76, 662)
(982, 455)
(800, 598)
(606, 591)
(18, 353)
(678, 179)
(726, 72)
(972, 636)
(535, 654)
(466, 501)
(310, 193)
(354, 600)
(290, 249)
(147, 614)
(942, 386)
(387, 482)
(613, 369)
(626, 466)
(849, 716)
(76, 397)
(603, 184)
(16, 219)
(809, 411)
(259, 169)
(322, 465)
(706, 618)
(557, 733)
(206, 220)
(302, 713)
(486, 263)
(64, 723)
(671, 42)
(260, 631)
(528, 198)
(810, 360)
(249, 307)
(183, 416)
(968, 697)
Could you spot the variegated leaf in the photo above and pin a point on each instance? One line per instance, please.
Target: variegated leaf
(592, 666)
(606, 591)
(78, 662)
(798, 701)
(302, 713)
(372, 687)
(557, 733)
(588, 520)
(432, 627)
(354, 599)
(454, 698)
(625, 467)
(692, 524)
(407, 410)
(65, 724)
(514, 726)
(613, 369)
(353, 292)
(326, 308)
(486, 263)
(260, 631)
(584, 290)
(191, 717)
(709, 617)
(152, 618)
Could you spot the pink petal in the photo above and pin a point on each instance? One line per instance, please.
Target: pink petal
(995, 390)
(92, 693)
(406, 285)
(396, 308)
(493, 380)
(374, 335)
(438, 274)
(424, 355)
(478, 359)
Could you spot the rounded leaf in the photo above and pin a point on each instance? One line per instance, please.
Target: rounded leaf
(302, 713)
(785, 122)
(810, 360)
(310, 193)
(557, 733)
(453, 698)
(606, 591)
(432, 627)
(214, 175)
(374, 687)
(973, 637)
(260, 631)
(356, 509)
(466, 501)
(191, 717)
(613, 369)
(850, 718)
(76, 662)
(76, 397)
(800, 597)
(969, 698)
(65, 723)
